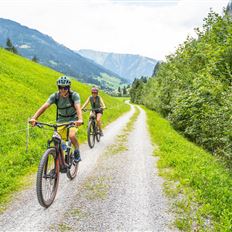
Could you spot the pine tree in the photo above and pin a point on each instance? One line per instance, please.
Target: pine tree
(124, 92)
(35, 59)
(10, 47)
(119, 92)
(9, 44)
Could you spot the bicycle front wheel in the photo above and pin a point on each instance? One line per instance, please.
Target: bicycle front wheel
(72, 171)
(47, 178)
(91, 134)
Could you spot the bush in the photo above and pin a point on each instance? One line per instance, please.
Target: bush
(193, 87)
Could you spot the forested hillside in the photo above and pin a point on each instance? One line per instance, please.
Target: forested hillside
(193, 87)
(32, 43)
(25, 87)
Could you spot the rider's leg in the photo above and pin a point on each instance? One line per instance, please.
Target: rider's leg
(99, 115)
(72, 136)
(74, 141)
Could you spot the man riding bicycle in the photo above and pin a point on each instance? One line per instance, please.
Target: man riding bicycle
(68, 109)
(97, 105)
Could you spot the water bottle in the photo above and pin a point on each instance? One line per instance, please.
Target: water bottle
(64, 146)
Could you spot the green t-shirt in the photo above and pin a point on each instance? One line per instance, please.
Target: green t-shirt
(68, 114)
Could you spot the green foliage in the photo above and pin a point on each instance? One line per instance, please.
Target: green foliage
(26, 86)
(137, 89)
(193, 87)
(203, 180)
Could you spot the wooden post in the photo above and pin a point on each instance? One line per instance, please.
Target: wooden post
(27, 135)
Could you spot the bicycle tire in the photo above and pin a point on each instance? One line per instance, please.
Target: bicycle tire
(91, 134)
(49, 176)
(72, 171)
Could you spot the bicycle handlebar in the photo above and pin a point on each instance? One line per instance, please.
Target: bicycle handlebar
(41, 124)
(93, 109)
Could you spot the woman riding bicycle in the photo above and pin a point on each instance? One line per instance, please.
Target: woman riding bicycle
(68, 109)
(97, 105)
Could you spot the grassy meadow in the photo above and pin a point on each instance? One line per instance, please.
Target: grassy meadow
(25, 87)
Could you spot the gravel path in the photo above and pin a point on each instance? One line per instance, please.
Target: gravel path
(124, 192)
(117, 188)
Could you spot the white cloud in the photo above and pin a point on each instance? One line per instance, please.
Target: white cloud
(148, 27)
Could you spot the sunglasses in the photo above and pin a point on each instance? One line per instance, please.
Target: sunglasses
(64, 87)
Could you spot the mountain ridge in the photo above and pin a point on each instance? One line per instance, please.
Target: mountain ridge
(129, 66)
(31, 42)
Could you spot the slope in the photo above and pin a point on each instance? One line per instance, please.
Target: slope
(25, 86)
(32, 43)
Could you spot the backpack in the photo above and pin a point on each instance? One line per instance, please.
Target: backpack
(57, 96)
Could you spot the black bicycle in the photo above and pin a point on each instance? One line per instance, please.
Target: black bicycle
(93, 130)
(59, 157)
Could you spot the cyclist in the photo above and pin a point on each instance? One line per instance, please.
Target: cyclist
(97, 105)
(68, 109)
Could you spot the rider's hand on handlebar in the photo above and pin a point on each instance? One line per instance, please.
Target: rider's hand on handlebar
(33, 122)
(78, 122)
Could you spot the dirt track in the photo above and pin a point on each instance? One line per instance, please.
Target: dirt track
(120, 191)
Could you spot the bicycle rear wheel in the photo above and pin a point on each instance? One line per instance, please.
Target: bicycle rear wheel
(47, 178)
(72, 171)
(91, 134)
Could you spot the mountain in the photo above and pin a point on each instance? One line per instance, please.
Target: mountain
(125, 65)
(30, 43)
(229, 7)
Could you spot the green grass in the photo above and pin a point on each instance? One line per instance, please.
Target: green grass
(64, 227)
(201, 185)
(110, 81)
(25, 87)
(120, 144)
(96, 188)
(123, 99)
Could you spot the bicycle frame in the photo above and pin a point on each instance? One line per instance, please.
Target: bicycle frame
(47, 180)
(56, 139)
(93, 129)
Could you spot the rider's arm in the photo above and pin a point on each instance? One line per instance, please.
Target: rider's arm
(85, 104)
(39, 112)
(79, 113)
(77, 106)
(102, 103)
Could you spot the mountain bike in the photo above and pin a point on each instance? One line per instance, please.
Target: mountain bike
(59, 157)
(93, 130)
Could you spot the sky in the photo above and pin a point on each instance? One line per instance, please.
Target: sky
(152, 28)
